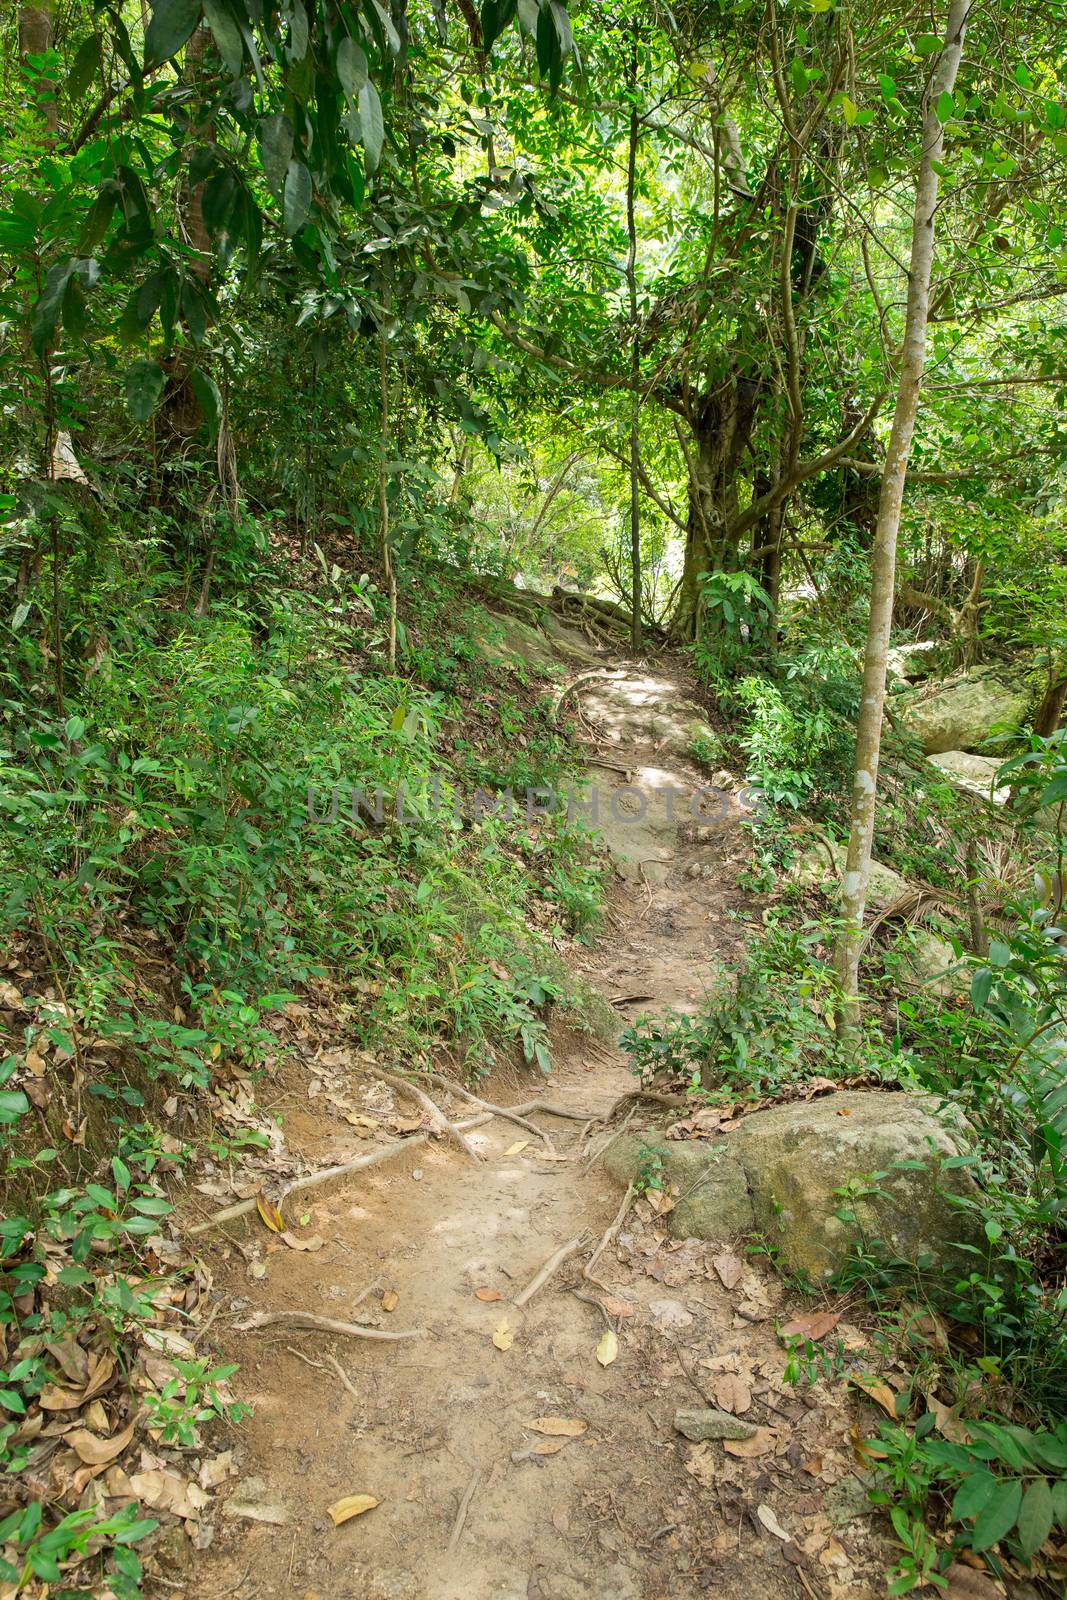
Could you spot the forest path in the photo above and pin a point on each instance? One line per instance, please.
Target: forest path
(475, 1502)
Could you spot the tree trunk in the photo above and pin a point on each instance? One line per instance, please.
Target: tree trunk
(635, 367)
(721, 426)
(884, 553)
(35, 39)
(1050, 711)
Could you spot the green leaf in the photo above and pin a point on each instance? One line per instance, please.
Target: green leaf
(351, 68)
(849, 109)
(143, 386)
(13, 1104)
(946, 106)
(1023, 76)
(999, 1515)
(799, 76)
(973, 1495)
(46, 311)
(372, 124)
(1056, 791)
(1035, 1517)
(121, 1173)
(194, 311)
(86, 65)
(227, 36)
(927, 44)
(296, 197)
(208, 398)
(171, 26)
(153, 1206)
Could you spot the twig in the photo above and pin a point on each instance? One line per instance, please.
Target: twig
(608, 1236)
(609, 1141)
(509, 1113)
(552, 1265)
(343, 1375)
(461, 1514)
(304, 1319)
(367, 1292)
(591, 1300)
(434, 1112)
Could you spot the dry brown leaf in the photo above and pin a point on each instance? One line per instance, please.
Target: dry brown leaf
(503, 1337)
(879, 1392)
(772, 1525)
(547, 1447)
(732, 1393)
(352, 1505)
(608, 1348)
(94, 1451)
(166, 1491)
(54, 1398)
(563, 1427)
(513, 1149)
(551, 1155)
(761, 1443)
(363, 1125)
(309, 1241)
(729, 1267)
(390, 1300)
(487, 1294)
(270, 1214)
(864, 1451)
(816, 1326)
(617, 1308)
(948, 1422)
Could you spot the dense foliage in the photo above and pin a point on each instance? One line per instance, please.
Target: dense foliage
(318, 321)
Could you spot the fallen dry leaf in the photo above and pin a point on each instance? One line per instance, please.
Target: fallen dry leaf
(879, 1392)
(94, 1451)
(166, 1491)
(503, 1337)
(607, 1349)
(761, 1443)
(729, 1268)
(772, 1525)
(310, 1241)
(864, 1451)
(352, 1505)
(732, 1393)
(617, 1308)
(817, 1326)
(487, 1294)
(566, 1427)
(390, 1300)
(513, 1149)
(270, 1214)
(547, 1447)
(363, 1125)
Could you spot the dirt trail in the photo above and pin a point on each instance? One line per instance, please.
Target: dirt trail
(628, 1508)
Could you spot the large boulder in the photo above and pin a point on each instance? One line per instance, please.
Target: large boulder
(974, 774)
(960, 714)
(823, 866)
(788, 1172)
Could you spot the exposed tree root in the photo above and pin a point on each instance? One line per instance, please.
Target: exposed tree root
(509, 1113)
(607, 1238)
(551, 1266)
(433, 1111)
(304, 1319)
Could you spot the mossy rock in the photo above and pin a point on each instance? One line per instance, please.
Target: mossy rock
(712, 1199)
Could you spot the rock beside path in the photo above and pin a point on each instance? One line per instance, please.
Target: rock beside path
(818, 1178)
(960, 714)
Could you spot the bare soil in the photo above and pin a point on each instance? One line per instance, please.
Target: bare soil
(475, 1501)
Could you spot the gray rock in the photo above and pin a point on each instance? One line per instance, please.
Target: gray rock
(799, 1157)
(961, 714)
(975, 774)
(931, 963)
(704, 1422)
(823, 866)
(912, 661)
(781, 1172)
(713, 1200)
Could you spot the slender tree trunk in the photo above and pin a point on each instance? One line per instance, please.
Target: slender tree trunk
(383, 496)
(1050, 712)
(635, 367)
(35, 39)
(884, 552)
